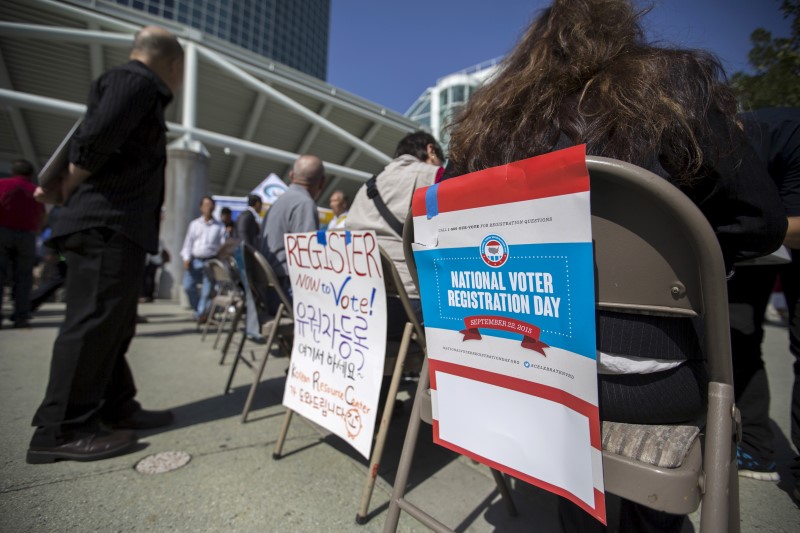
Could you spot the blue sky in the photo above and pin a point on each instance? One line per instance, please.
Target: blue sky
(389, 51)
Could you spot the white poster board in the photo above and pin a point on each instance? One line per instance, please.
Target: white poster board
(506, 277)
(339, 348)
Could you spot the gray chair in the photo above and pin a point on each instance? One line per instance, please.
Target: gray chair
(277, 328)
(226, 299)
(655, 253)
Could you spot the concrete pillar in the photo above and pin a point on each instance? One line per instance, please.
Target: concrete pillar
(186, 184)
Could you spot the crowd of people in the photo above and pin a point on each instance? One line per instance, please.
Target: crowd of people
(582, 73)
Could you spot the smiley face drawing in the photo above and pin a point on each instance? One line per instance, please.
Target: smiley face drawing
(352, 422)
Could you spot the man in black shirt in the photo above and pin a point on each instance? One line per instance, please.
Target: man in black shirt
(247, 223)
(111, 199)
(775, 134)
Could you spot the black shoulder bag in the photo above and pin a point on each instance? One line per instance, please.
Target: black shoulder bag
(375, 196)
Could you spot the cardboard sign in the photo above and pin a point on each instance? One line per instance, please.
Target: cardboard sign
(506, 273)
(339, 332)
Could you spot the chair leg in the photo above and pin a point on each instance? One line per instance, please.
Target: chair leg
(235, 363)
(287, 419)
(734, 525)
(407, 455)
(505, 493)
(231, 333)
(717, 458)
(208, 322)
(263, 364)
(380, 441)
(256, 380)
(221, 327)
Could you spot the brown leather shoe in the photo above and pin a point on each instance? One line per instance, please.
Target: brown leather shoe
(91, 447)
(143, 419)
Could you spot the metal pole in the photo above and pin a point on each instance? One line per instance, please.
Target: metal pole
(218, 139)
(60, 107)
(41, 103)
(35, 31)
(86, 14)
(189, 110)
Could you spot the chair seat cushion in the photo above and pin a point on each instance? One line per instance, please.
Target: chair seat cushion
(663, 446)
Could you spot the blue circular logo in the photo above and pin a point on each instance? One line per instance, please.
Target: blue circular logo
(494, 251)
(526, 364)
(272, 192)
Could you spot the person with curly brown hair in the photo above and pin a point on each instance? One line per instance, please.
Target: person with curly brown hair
(583, 73)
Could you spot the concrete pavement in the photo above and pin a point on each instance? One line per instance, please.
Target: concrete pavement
(233, 484)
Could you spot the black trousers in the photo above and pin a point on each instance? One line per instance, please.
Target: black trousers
(149, 280)
(48, 287)
(89, 377)
(748, 292)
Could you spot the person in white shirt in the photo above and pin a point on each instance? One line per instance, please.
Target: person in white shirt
(338, 202)
(203, 239)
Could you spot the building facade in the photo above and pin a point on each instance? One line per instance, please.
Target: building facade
(438, 105)
(290, 32)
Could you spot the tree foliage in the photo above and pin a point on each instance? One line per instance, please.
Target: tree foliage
(776, 62)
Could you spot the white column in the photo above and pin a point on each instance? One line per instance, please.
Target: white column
(435, 112)
(189, 109)
(186, 183)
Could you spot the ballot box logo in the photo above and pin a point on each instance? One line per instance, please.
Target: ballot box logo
(494, 251)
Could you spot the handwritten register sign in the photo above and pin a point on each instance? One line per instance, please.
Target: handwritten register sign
(507, 285)
(339, 332)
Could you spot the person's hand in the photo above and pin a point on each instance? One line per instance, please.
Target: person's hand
(67, 186)
(49, 196)
(186, 264)
(74, 177)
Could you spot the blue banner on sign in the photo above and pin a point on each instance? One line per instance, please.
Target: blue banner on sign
(530, 282)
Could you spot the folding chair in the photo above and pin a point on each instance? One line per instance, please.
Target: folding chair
(226, 295)
(261, 280)
(655, 253)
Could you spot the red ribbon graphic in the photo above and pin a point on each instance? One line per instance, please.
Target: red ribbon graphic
(530, 333)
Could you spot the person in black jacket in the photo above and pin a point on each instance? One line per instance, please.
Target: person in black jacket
(111, 196)
(248, 227)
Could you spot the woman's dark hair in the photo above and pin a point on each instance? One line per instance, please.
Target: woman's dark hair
(22, 167)
(253, 200)
(416, 144)
(584, 70)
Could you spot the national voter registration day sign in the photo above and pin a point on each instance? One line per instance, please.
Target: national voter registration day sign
(506, 273)
(336, 367)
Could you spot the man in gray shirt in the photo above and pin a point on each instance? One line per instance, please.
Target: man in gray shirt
(295, 211)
